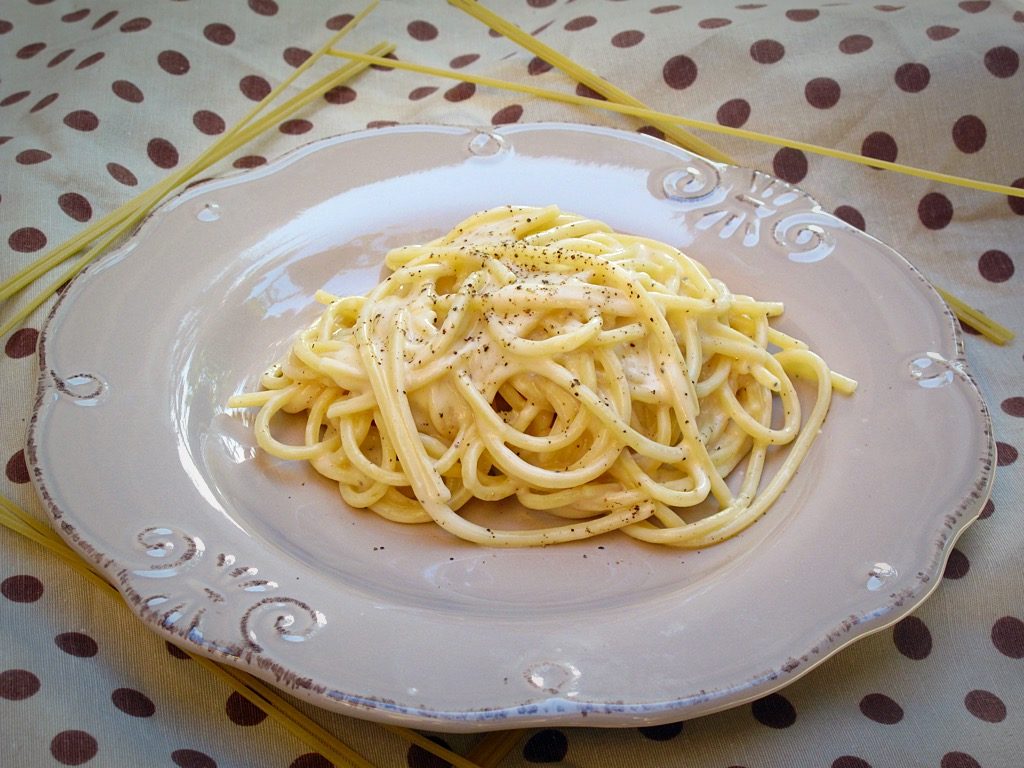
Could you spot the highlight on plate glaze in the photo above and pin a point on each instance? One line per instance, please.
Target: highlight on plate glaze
(487, 144)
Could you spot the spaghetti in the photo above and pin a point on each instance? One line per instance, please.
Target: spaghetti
(604, 379)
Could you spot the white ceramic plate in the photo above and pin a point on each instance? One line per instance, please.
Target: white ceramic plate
(259, 564)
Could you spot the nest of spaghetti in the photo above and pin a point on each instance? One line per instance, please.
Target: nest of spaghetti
(605, 379)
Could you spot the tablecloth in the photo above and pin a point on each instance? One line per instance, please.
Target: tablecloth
(99, 99)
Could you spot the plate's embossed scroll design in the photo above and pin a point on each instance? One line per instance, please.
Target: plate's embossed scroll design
(292, 621)
(169, 551)
(751, 207)
(191, 604)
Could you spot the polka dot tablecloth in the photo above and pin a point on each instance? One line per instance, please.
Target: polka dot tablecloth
(99, 99)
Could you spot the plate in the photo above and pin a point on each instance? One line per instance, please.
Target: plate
(257, 562)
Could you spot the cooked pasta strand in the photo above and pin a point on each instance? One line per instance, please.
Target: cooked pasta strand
(604, 380)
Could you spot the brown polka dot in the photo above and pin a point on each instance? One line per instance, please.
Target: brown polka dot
(850, 761)
(940, 32)
(208, 122)
(822, 92)
(175, 651)
(88, 61)
(1006, 454)
(985, 706)
(851, 216)
(509, 114)
(665, 8)
(580, 22)
(241, 711)
(912, 638)
(192, 758)
(18, 684)
(340, 94)
(767, 51)
(881, 709)
(105, 19)
(81, 120)
(30, 50)
(73, 747)
(21, 343)
(460, 92)
(263, 7)
(969, 134)
(44, 102)
(1014, 406)
(957, 565)
(311, 760)
(958, 759)
(381, 123)
(122, 174)
(26, 240)
(421, 30)
(650, 130)
(17, 469)
(713, 23)
(540, 3)
(790, 165)
(733, 113)
(912, 77)
(254, 87)
(14, 98)
(295, 127)
(538, 66)
(162, 153)
(422, 92)
(296, 57)
(889, 8)
(32, 156)
(802, 14)
(974, 6)
(855, 44)
(987, 510)
(627, 38)
(1016, 203)
(463, 61)
(173, 62)
(136, 25)
(935, 210)
(382, 67)
(75, 205)
(250, 161)
(60, 57)
(588, 93)
(133, 702)
(127, 90)
(21, 588)
(5, 26)
(77, 644)
(1002, 61)
(418, 757)
(338, 22)
(219, 34)
(679, 72)
(1018, 16)
(879, 145)
(774, 710)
